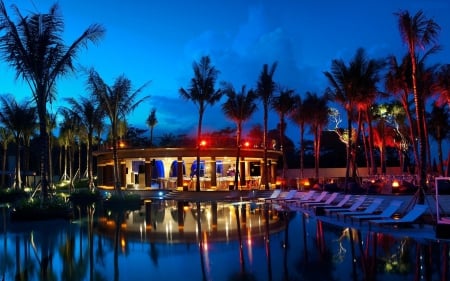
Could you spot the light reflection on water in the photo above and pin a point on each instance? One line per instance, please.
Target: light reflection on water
(162, 242)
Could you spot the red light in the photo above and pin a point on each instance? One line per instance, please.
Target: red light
(203, 143)
(247, 144)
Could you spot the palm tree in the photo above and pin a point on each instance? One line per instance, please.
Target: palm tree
(117, 101)
(299, 117)
(283, 104)
(442, 84)
(6, 136)
(68, 132)
(202, 93)
(348, 84)
(439, 125)
(151, 122)
(17, 118)
(316, 111)
(34, 47)
(239, 107)
(90, 113)
(418, 31)
(264, 91)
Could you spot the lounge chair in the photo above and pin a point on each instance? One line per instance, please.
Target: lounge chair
(286, 196)
(354, 207)
(329, 201)
(319, 209)
(371, 208)
(275, 194)
(319, 198)
(409, 218)
(393, 207)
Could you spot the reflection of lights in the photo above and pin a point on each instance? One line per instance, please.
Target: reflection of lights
(123, 243)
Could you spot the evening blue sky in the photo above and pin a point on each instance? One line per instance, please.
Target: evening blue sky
(157, 41)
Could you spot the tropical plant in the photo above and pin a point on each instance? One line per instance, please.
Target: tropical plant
(442, 84)
(117, 101)
(18, 118)
(265, 88)
(89, 113)
(348, 84)
(239, 107)
(283, 104)
(316, 111)
(418, 31)
(299, 117)
(439, 128)
(6, 136)
(151, 122)
(34, 47)
(202, 93)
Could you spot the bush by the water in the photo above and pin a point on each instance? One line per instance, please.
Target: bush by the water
(12, 195)
(35, 209)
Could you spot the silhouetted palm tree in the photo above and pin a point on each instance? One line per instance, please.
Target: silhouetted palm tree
(202, 93)
(151, 122)
(89, 113)
(442, 84)
(239, 107)
(6, 136)
(34, 47)
(117, 101)
(283, 104)
(348, 84)
(439, 129)
(264, 90)
(18, 118)
(317, 116)
(68, 131)
(418, 31)
(299, 116)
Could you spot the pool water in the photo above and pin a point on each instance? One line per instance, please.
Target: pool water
(169, 241)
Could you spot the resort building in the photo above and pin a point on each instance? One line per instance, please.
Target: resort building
(175, 168)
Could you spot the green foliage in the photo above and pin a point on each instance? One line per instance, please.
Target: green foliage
(32, 209)
(129, 202)
(12, 195)
(83, 197)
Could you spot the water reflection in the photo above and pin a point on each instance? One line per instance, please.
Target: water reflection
(211, 241)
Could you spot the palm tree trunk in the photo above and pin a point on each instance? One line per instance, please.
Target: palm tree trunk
(371, 150)
(5, 151)
(44, 155)
(349, 148)
(265, 174)
(420, 130)
(89, 162)
(238, 155)
(18, 181)
(412, 136)
(199, 135)
(117, 183)
(302, 150)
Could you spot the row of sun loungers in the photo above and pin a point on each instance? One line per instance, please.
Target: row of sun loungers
(357, 208)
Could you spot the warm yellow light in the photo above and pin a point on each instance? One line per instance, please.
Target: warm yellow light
(395, 184)
(203, 143)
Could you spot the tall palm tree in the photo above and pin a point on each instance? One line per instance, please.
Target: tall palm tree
(151, 122)
(34, 47)
(439, 123)
(68, 131)
(6, 136)
(239, 107)
(90, 113)
(418, 31)
(442, 84)
(283, 104)
(117, 101)
(349, 83)
(18, 118)
(299, 116)
(264, 90)
(316, 110)
(202, 93)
